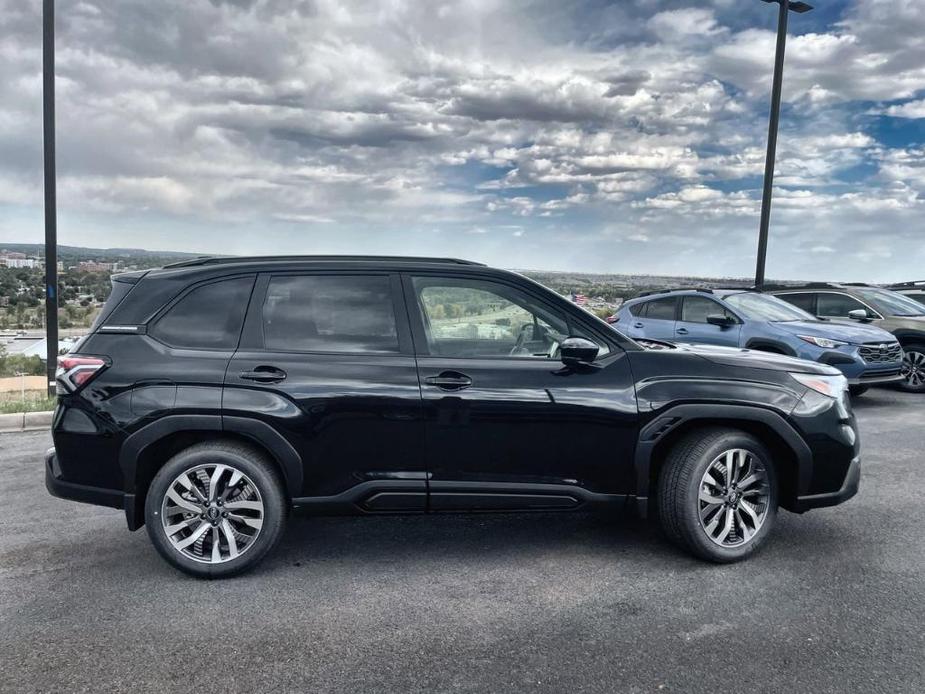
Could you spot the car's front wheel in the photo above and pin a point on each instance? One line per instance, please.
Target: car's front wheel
(717, 494)
(215, 509)
(913, 369)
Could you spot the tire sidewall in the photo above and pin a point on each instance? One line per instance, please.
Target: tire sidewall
(904, 385)
(259, 473)
(689, 497)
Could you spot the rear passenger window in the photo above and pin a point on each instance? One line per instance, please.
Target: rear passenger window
(661, 309)
(330, 313)
(208, 317)
(803, 301)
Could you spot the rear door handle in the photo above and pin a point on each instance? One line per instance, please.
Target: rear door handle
(638, 325)
(681, 331)
(449, 380)
(264, 374)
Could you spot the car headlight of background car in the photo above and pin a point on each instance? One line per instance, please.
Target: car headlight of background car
(823, 342)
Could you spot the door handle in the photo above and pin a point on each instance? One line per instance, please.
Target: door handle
(264, 374)
(681, 331)
(638, 325)
(449, 380)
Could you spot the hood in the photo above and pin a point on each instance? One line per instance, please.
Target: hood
(856, 334)
(734, 356)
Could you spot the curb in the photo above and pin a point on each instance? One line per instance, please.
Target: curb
(24, 421)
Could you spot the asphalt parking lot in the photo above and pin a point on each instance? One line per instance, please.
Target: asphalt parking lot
(489, 603)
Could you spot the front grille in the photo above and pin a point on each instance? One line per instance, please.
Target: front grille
(881, 352)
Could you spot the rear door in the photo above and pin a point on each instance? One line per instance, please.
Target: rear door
(657, 319)
(693, 326)
(326, 360)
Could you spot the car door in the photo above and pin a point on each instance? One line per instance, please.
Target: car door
(506, 425)
(692, 325)
(657, 318)
(326, 360)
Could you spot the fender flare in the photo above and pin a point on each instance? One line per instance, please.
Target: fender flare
(259, 432)
(671, 418)
(758, 343)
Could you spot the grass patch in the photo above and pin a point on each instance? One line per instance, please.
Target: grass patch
(35, 401)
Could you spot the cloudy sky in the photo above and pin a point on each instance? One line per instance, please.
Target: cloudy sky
(623, 136)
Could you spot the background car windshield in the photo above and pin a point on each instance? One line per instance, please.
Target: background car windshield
(763, 307)
(891, 303)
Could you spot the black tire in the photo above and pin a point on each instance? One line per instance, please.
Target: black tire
(858, 391)
(913, 369)
(679, 487)
(259, 471)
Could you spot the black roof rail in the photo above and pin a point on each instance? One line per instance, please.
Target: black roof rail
(223, 260)
(856, 284)
(906, 285)
(651, 292)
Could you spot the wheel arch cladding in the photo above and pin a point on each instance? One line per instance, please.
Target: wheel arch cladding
(792, 472)
(146, 451)
(764, 345)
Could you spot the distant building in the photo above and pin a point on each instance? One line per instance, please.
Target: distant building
(94, 266)
(17, 260)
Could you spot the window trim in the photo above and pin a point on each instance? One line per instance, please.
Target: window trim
(150, 325)
(419, 333)
(252, 338)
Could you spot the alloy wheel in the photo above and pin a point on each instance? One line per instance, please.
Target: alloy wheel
(733, 498)
(914, 369)
(212, 513)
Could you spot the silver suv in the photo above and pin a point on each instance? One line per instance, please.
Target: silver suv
(914, 290)
(896, 313)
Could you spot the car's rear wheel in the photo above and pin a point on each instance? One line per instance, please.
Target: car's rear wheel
(717, 494)
(215, 509)
(913, 369)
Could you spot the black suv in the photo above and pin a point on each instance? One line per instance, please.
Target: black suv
(215, 395)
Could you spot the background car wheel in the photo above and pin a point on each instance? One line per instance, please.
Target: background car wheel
(717, 494)
(857, 391)
(215, 509)
(913, 369)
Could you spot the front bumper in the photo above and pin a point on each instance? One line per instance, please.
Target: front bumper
(875, 378)
(848, 489)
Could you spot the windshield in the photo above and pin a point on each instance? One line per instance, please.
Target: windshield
(890, 303)
(763, 307)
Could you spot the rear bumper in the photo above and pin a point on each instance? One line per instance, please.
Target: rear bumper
(86, 494)
(848, 489)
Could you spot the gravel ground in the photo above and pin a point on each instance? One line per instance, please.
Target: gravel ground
(487, 603)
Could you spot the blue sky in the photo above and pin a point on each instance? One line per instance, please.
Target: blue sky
(597, 136)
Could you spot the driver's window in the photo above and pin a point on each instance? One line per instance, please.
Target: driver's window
(474, 318)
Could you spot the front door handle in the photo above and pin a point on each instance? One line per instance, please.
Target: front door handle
(449, 380)
(638, 325)
(264, 374)
(681, 331)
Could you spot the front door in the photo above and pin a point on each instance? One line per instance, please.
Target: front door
(692, 325)
(506, 426)
(326, 360)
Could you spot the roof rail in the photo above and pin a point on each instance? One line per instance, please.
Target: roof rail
(856, 284)
(906, 285)
(223, 260)
(651, 292)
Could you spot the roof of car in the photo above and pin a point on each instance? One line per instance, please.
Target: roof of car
(718, 292)
(292, 259)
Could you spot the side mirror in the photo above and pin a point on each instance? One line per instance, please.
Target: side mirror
(577, 350)
(720, 320)
(858, 314)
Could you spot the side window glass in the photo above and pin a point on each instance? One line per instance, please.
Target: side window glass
(208, 317)
(695, 309)
(662, 309)
(475, 318)
(837, 305)
(330, 313)
(637, 309)
(803, 301)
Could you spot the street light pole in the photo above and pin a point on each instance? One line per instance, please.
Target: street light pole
(51, 213)
(785, 7)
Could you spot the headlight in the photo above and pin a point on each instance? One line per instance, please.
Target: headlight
(833, 386)
(823, 342)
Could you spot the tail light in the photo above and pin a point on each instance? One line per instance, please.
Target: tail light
(75, 372)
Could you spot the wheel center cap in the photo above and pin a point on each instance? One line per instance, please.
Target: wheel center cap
(213, 513)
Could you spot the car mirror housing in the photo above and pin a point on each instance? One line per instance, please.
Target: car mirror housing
(578, 350)
(858, 314)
